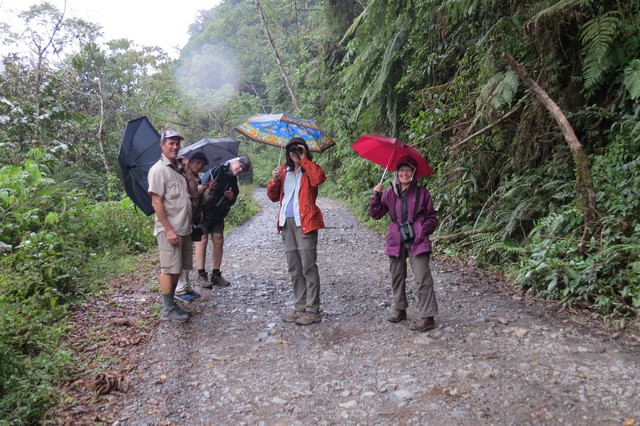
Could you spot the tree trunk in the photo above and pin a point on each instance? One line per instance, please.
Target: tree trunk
(103, 156)
(283, 70)
(584, 181)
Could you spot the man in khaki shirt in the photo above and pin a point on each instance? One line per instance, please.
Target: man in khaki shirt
(170, 185)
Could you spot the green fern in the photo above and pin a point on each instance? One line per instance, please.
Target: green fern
(632, 79)
(597, 36)
(354, 26)
(631, 249)
(483, 241)
(506, 249)
(520, 213)
(550, 225)
(456, 10)
(489, 247)
(498, 91)
(555, 9)
(381, 80)
(503, 201)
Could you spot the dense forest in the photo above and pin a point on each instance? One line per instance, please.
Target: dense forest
(528, 111)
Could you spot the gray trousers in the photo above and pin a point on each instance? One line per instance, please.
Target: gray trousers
(427, 303)
(301, 251)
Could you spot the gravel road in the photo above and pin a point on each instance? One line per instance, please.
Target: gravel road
(495, 358)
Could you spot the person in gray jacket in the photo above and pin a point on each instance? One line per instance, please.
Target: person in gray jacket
(413, 219)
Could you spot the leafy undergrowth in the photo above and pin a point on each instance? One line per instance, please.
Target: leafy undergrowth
(104, 335)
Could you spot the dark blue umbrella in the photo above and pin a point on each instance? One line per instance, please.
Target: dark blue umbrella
(139, 151)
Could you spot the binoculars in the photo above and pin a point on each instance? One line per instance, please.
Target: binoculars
(406, 232)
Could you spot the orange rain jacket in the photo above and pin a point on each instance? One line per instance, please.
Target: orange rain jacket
(312, 177)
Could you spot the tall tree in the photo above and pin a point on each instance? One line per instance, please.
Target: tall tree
(43, 37)
(283, 70)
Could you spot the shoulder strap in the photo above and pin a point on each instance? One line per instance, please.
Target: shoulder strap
(404, 209)
(417, 206)
(392, 211)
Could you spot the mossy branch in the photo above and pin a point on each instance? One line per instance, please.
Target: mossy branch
(584, 182)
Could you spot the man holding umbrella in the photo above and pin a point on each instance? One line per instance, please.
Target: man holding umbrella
(171, 183)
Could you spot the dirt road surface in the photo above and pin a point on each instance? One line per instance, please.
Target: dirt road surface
(495, 358)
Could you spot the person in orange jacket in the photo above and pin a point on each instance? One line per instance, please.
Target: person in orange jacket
(295, 186)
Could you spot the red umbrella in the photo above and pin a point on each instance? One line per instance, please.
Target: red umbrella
(386, 151)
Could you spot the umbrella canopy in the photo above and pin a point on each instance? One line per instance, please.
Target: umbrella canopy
(217, 150)
(278, 129)
(139, 151)
(386, 151)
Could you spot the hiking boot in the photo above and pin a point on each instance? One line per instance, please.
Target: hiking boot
(182, 311)
(397, 316)
(308, 318)
(184, 297)
(194, 294)
(292, 316)
(203, 281)
(216, 279)
(174, 314)
(423, 324)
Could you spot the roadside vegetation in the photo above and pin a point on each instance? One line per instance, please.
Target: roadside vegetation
(60, 246)
(514, 191)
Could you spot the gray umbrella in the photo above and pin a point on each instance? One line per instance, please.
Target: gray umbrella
(217, 150)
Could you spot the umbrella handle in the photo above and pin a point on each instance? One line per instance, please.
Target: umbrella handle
(383, 175)
(282, 146)
(388, 162)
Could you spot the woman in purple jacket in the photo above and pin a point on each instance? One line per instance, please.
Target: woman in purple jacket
(413, 219)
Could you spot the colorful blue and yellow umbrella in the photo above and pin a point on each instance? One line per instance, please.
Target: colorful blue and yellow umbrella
(278, 129)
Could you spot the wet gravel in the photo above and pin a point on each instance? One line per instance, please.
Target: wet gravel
(495, 357)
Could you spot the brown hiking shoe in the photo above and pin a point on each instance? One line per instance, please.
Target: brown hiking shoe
(203, 281)
(292, 316)
(216, 279)
(308, 318)
(397, 316)
(423, 324)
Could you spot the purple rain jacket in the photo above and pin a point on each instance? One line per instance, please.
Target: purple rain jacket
(425, 220)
